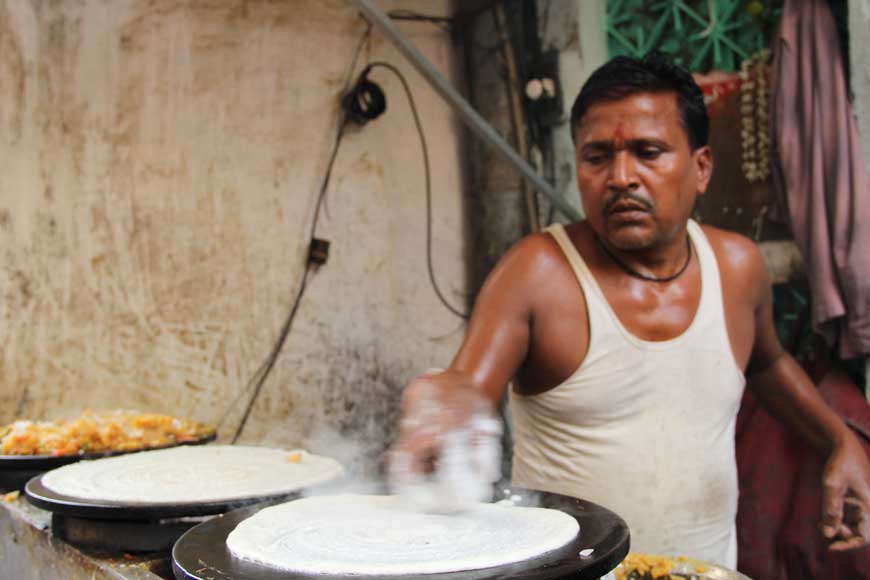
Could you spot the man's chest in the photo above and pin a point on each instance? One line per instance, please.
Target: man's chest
(560, 335)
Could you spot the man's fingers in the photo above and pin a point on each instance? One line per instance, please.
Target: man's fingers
(857, 512)
(845, 532)
(857, 518)
(832, 506)
(854, 529)
(854, 509)
(434, 405)
(850, 544)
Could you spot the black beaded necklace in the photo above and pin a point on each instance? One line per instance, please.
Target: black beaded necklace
(636, 274)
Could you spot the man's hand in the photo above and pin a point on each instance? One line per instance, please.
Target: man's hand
(449, 451)
(433, 405)
(846, 496)
(786, 391)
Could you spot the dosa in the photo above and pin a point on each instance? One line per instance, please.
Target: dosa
(378, 535)
(192, 475)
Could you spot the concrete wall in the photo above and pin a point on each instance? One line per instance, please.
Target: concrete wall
(575, 29)
(160, 161)
(859, 47)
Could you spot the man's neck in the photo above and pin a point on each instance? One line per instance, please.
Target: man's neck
(658, 263)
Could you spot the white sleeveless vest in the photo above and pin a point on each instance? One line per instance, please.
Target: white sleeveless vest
(643, 428)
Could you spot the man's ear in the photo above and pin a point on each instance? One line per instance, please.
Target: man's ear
(703, 160)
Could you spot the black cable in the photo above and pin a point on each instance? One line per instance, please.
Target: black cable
(262, 373)
(428, 179)
(265, 369)
(365, 102)
(442, 22)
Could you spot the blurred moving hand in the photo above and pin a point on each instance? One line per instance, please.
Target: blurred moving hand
(449, 449)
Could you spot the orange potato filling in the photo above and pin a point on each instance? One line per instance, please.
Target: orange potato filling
(99, 432)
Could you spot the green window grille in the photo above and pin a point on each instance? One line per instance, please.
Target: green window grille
(702, 35)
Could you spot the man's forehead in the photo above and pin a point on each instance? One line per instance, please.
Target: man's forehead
(636, 116)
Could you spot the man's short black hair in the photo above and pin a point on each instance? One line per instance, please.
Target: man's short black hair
(625, 76)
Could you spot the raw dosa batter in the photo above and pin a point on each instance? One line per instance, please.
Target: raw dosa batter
(192, 475)
(378, 535)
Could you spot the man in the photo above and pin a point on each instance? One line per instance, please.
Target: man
(627, 337)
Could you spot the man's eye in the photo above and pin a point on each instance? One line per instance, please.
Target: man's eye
(649, 153)
(594, 158)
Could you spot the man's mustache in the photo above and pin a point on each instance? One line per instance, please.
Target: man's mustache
(646, 203)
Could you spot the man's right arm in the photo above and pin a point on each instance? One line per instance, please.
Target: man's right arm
(495, 345)
(497, 339)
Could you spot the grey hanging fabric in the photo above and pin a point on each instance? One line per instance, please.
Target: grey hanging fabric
(819, 172)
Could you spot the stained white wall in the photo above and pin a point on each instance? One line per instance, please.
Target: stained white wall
(159, 161)
(859, 47)
(576, 29)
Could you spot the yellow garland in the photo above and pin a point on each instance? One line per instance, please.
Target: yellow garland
(754, 117)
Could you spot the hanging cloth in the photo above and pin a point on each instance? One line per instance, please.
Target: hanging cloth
(820, 174)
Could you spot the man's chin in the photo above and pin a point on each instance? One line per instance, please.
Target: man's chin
(629, 238)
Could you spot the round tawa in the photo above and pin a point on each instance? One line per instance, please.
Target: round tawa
(178, 482)
(603, 541)
(65, 505)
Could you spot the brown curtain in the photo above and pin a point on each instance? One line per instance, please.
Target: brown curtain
(819, 172)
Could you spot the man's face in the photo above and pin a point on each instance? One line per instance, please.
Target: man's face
(636, 172)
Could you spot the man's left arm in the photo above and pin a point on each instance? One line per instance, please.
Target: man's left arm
(782, 386)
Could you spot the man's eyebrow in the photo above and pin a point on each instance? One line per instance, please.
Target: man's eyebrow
(607, 145)
(646, 142)
(598, 145)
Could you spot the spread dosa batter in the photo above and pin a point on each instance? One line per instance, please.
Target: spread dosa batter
(379, 535)
(192, 475)
(643, 428)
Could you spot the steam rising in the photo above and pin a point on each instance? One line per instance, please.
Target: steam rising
(362, 475)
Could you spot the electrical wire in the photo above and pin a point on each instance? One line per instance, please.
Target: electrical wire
(442, 22)
(262, 373)
(428, 180)
(259, 377)
(367, 102)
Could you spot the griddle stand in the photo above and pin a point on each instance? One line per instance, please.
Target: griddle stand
(133, 536)
(106, 526)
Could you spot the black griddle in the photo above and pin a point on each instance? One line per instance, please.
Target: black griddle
(201, 553)
(114, 536)
(17, 470)
(126, 527)
(58, 503)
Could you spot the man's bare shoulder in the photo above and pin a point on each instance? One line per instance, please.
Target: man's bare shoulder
(534, 255)
(531, 273)
(740, 261)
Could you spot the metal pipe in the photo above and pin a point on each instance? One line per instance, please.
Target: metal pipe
(518, 119)
(466, 112)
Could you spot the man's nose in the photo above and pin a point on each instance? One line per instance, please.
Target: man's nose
(622, 172)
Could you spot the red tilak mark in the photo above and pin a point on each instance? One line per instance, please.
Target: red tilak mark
(619, 137)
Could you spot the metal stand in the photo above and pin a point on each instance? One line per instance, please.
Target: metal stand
(122, 536)
(466, 112)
